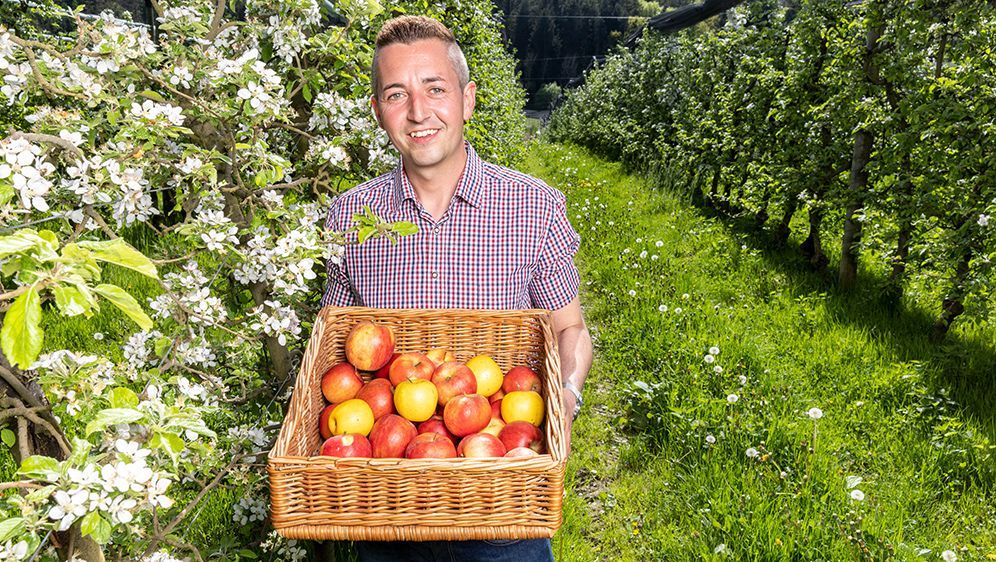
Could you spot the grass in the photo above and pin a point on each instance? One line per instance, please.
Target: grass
(913, 420)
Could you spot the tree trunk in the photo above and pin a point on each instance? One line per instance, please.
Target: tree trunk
(952, 306)
(812, 246)
(783, 230)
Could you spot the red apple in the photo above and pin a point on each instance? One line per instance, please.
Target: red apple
(440, 355)
(496, 396)
(391, 435)
(453, 379)
(323, 421)
(466, 414)
(521, 434)
(348, 445)
(430, 446)
(496, 409)
(478, 445)
(521, 452)
(379, 394)
(521, 378)
(494, 427)
(435, 425)
(340, 383)
(384, 371)
(369, 346)
(411, 365)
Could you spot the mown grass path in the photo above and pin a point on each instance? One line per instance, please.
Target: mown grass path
(741, 408)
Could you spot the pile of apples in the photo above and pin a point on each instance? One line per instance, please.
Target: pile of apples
(426, 405)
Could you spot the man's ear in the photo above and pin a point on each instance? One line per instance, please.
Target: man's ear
(469, 100)
(375, 109)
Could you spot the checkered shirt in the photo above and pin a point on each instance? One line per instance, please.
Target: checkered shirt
(504, 243)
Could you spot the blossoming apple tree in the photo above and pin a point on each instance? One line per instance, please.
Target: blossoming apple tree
(196, 160)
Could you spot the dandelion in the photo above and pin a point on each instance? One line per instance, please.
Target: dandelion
(949, 556)
(98, 336)
(659, 243)
(710, 439)
(685, 296)
(857, 495)
(717, 369)
(714, 350)
(983, 221)
(732, 398)
(742, 379)
(815, 413)
(662, 308)
(721, 548)
(632, 293)
(677, 310)
(752, 453)
(709, 359)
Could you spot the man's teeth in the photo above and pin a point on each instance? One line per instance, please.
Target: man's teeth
(425, 133)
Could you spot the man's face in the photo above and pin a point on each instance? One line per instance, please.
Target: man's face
(421, 105)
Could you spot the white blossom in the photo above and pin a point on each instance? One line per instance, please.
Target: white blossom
(814, 413)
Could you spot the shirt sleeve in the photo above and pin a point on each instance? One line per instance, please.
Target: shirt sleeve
(338, 291)
(556, 280)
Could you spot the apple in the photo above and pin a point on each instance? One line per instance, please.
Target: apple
(521, 378)
(348, 445)
(391, 435)
(379, 394)
(384, 371)
(440, 355)
(453, 379)
(488, 373)
(430, 446)
(479, 445)
(323, 421)
(352, 416)
(435, 425)
(496, 409)
(416, 399)
(466, 414)
(494, 427)
(369, 346)
(409, 365)
(521, 434)
(340, 383)
(497, 395)
(521, 452)
(522, 405)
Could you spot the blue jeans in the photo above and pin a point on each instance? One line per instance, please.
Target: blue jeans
(528, 550)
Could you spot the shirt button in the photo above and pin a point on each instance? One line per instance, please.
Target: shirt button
(435, 275)
(435, 230)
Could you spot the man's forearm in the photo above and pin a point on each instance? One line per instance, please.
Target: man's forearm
(575, 354)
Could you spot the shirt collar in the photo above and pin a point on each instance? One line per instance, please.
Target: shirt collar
(469, 187)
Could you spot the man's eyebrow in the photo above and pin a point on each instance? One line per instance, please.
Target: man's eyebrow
(428, 80)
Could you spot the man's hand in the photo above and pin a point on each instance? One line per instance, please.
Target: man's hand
(574, 344)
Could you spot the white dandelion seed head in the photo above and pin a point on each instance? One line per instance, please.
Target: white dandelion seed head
(857, 495)
(752, 453)
(815, 413)
(732, 398)
(713, 350)
(949, 556)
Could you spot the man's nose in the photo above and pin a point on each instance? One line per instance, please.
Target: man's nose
(417, 108)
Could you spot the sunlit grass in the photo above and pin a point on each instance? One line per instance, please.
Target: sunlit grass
(698, 462)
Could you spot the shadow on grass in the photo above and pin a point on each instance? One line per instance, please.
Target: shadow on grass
(964, 363)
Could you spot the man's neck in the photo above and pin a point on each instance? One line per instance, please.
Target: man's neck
(434, 187)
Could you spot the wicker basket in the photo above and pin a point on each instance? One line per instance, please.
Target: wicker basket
(324, 498)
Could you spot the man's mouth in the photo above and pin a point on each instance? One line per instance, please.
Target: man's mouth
(423, 133)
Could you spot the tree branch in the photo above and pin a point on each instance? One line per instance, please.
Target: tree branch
(51, 139)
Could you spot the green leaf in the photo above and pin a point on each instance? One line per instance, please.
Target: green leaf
(365, 232)
(19, 242)
(71, 301)
(169, 442)
(81, 448)
(10, 528)
(162, 345)
(112, 416)
(6, 192)
(38, 466)
(22, 335)
(7, 437)
(154, 96)
(121, 253)
(122, 397)
(405, 228)
(96, 526)
(125, 302)
(191, 424)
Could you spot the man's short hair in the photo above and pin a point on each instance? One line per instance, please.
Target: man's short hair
(409, 29)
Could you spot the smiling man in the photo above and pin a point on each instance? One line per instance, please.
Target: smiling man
(489, 237)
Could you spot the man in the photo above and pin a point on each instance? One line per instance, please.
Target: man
(488, 238)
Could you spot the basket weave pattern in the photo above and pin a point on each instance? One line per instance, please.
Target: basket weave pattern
(324, 498)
